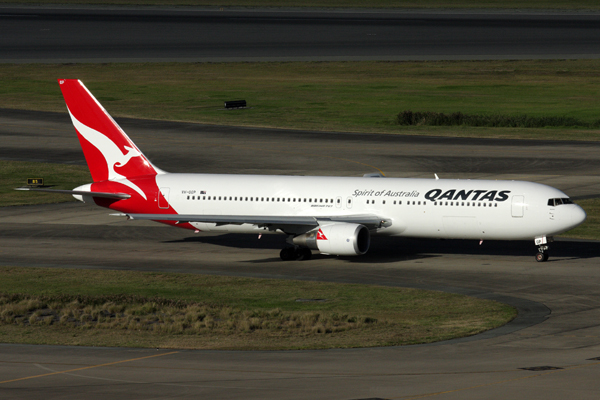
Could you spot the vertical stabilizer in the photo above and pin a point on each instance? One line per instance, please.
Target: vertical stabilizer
(109, 152)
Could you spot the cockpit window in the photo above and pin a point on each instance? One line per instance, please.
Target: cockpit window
(558, 202)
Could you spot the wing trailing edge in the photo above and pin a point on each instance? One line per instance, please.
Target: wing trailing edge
(370, 221)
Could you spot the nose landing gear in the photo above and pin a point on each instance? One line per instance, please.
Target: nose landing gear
(542, 254)
(542, 242)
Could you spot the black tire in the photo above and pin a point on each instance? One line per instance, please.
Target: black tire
(303, 254)
(287, 253)
(546, 255)
(541, 257)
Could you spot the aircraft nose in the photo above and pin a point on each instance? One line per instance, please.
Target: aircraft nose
(578, 215)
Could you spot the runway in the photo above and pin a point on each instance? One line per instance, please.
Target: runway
(560, 299)
(120, 34)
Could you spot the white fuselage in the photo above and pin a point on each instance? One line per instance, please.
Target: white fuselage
(428, 208)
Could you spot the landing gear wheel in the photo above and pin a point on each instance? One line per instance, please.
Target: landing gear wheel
(303, 254)
(287, 253)
(541, 257)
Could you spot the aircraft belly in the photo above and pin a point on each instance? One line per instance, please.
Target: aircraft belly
(461, 227)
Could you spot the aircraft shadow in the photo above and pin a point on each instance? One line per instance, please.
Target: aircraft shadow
(387, 249)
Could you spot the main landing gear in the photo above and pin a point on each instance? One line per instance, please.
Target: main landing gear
(295, 253)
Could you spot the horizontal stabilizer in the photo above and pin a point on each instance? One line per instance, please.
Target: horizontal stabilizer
(120, 196)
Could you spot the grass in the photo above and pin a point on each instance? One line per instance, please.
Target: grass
(15, 173)
(505, 4)
(496, 121)
(331, 96)
(88, 307)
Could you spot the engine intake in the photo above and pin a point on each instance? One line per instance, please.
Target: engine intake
(338, 239)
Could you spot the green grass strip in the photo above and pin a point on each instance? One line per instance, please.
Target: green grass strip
(327, 96)
(430, 118)
(128, 308)
(14, 174)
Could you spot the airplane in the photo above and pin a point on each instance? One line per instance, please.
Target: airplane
(332, 215)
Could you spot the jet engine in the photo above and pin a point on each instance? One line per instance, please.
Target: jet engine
(338, 239)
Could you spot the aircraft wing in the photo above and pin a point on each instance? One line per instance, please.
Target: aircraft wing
(80, 192)
(292, 224)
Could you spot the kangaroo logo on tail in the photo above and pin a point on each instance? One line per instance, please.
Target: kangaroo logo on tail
(109, 152)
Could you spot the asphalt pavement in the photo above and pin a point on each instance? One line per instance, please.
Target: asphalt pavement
(550, 352)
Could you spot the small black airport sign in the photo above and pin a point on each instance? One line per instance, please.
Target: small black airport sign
(35, 181)
(230, 105)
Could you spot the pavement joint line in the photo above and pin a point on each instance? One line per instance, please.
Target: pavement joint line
(421, 396)
(88, 367)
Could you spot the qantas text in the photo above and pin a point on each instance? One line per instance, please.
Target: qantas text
(472, 195)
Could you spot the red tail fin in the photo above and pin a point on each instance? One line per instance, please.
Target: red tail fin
(109, 152)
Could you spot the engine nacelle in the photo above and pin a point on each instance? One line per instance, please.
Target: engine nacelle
(340, 239)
